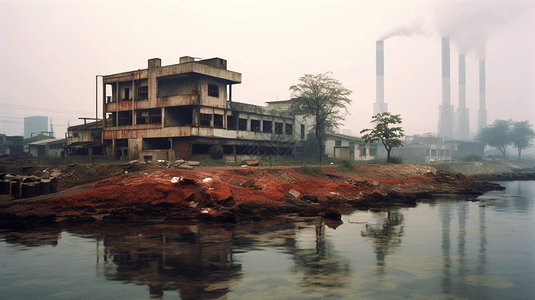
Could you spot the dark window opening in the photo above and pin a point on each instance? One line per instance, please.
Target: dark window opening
(338, 143)
(218, 121)
(206, 119)
(121, 143)
(126, 94)
(149, 116)
(255, 125)
(302, 131)
(362, 151)
(268, 127)
(242, 124)
(147, 159)
(125, 118)
(373, 151)
(213, 90)
(155, 144)
(76, 135)
(352, 149)
(142, 92)
(288, 129)
(178, 116)
(200, 149)
(278, 128)
(231, 123)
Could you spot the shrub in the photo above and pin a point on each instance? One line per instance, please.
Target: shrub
(396, 160)
(311, 170)
(346, 165)
(216, 152)
(469, 158)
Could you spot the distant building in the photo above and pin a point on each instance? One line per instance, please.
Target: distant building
(85, 140)
(11, 145)
(428, 148)
(48, 147)
(34, 126)
(351, 147)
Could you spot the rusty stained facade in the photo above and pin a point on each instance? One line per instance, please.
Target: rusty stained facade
(181, 110)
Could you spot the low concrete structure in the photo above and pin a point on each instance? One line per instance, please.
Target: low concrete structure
(351, 147)
(48, 147)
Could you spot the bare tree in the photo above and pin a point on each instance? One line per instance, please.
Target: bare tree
(322, 99)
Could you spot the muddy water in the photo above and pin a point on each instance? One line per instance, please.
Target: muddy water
(450, 249)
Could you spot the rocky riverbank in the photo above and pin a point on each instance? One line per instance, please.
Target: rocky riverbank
(234, 194)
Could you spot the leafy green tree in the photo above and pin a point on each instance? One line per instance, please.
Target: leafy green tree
(497, 135)
(322, 99)
(522, 136)
(383, 132)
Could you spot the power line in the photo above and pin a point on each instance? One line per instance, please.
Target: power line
(15, 106)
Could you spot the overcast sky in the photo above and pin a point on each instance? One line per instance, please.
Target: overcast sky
(51, 50)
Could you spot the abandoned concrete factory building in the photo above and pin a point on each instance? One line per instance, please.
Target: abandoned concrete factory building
(181, 110)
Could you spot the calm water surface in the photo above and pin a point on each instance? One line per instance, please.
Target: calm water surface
(451, 249)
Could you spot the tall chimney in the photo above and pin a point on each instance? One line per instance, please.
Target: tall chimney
(445, 111)
(482, 113)
(463, 116)
(379, 106)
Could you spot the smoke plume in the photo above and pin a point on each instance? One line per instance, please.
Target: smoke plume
(414, 28)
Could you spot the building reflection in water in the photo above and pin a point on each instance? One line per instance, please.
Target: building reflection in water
(322, 267)
(198, 262)
(386, 238)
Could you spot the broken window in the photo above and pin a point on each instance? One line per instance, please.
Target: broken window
(218, 120)
(278, 128)
(149, 116)
(142, 92)
(124, 118)
(255, 125)
(242, 124)
(213, 90)
(111, 119)
(121, 143)
(267, 126)
(206, 119)
(288, 129)
(362, 151)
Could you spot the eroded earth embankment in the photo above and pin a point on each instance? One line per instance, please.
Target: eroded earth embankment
(231, 194)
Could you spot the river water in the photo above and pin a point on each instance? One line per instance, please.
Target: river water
(447, 249)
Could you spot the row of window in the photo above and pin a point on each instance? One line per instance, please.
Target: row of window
(362, 148)
(143, 93)
(124, 118)
(154, 116)
(437, 152)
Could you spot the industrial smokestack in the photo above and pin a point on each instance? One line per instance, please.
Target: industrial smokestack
(482, 114)
(380, 106)
(463, 116)
(445, 111)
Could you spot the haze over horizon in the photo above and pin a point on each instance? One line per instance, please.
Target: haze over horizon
(51, 51)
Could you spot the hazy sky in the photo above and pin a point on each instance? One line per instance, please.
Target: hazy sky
(51, 50)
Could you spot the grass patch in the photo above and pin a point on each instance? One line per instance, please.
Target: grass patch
(310, 170)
